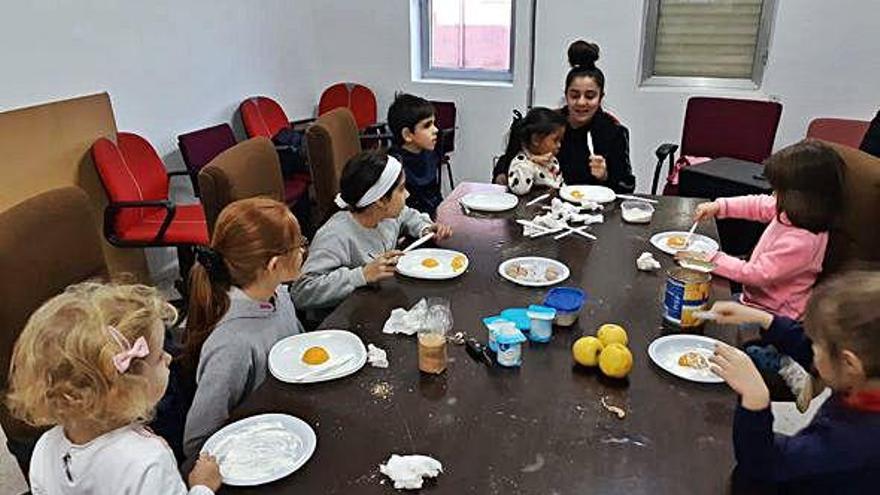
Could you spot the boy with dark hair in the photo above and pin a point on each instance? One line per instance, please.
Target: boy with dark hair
(411, 120)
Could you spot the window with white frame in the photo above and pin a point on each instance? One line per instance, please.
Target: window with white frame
(466, 39)
(706, 42)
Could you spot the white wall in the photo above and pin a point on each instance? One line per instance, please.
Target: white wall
(169, 66)
(822, 63)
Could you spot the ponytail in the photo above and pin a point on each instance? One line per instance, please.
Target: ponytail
(208, 301)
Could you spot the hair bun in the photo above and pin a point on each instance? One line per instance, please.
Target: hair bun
(583, 54)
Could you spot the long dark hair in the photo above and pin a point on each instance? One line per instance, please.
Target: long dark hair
(538, 122)
(807, 178)
(582, 56)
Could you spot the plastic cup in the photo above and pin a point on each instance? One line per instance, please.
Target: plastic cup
(567, 301)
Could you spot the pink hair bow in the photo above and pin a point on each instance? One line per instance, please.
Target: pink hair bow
(122, 360)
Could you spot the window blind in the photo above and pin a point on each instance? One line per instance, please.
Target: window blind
(707, 38)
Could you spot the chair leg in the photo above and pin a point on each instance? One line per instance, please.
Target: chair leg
(449, 172)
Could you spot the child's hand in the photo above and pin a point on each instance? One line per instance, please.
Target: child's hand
(738, 370)
(382, 266)
(441, 231)
(731, 313)
(707, 210)
(598, 167)
(206, 472)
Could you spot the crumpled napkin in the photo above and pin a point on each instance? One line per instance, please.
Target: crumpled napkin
(407, 471)
(377, 357)
(646, 262)
(406, 322)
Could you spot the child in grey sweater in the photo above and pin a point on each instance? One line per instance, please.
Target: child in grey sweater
(357, 245)
(238, 310)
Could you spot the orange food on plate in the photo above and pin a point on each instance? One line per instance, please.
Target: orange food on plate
(577, 194)
(676, 241)
(315, 355)
(458, 262)
(693, 360)
(430, 263)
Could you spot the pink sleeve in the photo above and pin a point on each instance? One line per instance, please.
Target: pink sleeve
(758, 208)
(789, 253)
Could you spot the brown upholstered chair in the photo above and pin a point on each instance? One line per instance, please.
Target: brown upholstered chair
(246, 170)
(330, 141)
(47, 242)
(856, 239)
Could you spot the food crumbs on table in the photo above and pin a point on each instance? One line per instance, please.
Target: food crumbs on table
(382, 390)
(613, 409)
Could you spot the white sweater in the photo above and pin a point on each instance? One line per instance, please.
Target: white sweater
(127, 461)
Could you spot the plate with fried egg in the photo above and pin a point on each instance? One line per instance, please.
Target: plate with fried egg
(674, 241)
(433, 264)
(313, 356)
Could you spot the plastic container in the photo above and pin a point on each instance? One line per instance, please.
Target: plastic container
(567, 301)
(519, 316)
(509, 346)
(636, 211)
(542, 323)
(493, 324)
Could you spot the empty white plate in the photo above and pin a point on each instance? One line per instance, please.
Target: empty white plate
(500, 201)
(261, 449)
(667, 350)
(533, 271)
(285, 358)
(432, 264)
(699, 242)
(576, 194)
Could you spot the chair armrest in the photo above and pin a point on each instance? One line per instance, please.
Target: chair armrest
(114, 207)
(301, 124)
(175, 173)
(379, 127)
(664, 151)
(382, 136)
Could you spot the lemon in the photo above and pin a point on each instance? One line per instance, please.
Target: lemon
(616, 360)
(586, 351)
(315, 355)
(610, 333)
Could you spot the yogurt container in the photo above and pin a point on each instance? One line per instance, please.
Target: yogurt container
(493, 324)
(519, 316)
(567, 301)
(509, 341)
(636, 211)
(542, 323)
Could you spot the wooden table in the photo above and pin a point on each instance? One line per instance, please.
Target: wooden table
(535, 430)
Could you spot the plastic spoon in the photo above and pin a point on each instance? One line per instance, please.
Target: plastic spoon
(425, 238)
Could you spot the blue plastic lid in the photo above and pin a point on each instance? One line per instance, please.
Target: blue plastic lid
(520, 316)
(566, 299)
(541, 312)
(509, 336)
(489, 320)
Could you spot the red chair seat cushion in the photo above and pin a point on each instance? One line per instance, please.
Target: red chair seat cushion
(188, 227)
(295, 187)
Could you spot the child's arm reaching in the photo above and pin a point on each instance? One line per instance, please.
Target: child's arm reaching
(327, 280)
(787, 254)
(418, 224)
(161, 476)
(760, 208)
(783, 332)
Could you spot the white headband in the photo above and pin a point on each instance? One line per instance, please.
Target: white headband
(386, 181)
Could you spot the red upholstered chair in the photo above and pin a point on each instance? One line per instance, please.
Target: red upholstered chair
(201, 146)
(139, 212)
(841, 131)
(362, 103)
(444, 116)
(263, 116)
(716, 127)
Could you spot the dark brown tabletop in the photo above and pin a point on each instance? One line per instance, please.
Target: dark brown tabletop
(539, 429)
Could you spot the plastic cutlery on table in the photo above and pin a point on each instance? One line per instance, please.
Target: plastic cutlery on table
(637, 198)
(687, 241)
(326, 367)
(421, 240)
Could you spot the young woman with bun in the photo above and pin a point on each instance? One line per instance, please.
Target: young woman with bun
(607, 162)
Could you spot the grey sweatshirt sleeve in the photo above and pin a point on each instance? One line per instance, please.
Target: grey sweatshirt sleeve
(326, 280)
(413, 221)
(222, 379)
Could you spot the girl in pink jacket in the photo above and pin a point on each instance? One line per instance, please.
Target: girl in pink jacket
(807, 181)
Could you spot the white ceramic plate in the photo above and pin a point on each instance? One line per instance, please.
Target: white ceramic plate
(666, 350)
(285, 358)
(699, 242)
(576, 194)
(412, 264)
(537, 268)
(500, 201)
(261, 449)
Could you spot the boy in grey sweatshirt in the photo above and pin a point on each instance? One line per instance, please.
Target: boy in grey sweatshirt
(341, 248)
(234, 360)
